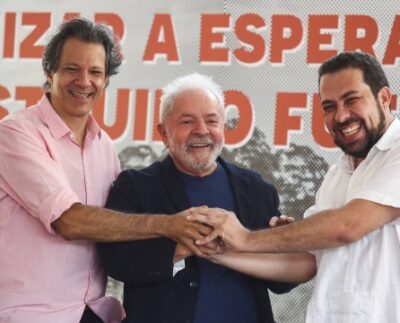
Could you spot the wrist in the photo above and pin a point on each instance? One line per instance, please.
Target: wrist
(161, 225)
(181, 252)
(246, 241)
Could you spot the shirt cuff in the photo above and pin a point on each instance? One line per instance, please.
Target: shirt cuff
(178, 266)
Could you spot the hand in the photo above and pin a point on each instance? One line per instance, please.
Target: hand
(185, 233)
(277, 221)
(226, 226)
(210, 249)
(181, 252)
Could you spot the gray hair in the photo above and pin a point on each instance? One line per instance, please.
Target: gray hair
(87, 31)
(189, 82)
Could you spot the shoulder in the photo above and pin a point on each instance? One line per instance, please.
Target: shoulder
(136, 184)
(248, 175)
(260, 196)
(23, 118)
(23, 128)
(129, 176)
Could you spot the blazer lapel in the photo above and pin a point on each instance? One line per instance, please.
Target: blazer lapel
(241, 191)
(172, 183)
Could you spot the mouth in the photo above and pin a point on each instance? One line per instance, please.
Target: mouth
(351, 129)
(81, 95)
(200, 145)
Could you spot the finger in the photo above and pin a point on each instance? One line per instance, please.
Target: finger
(198, 217)
(200, 208)
(203, 229)
(212, 212)
(194, 230)
(193, 248)
(213, 235)
(207, 251)
(213, 245)
(273, 221)
(284, 219)
(197, 230)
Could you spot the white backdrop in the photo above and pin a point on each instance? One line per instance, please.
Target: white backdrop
(265, 54)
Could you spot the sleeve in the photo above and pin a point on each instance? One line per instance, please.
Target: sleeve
(270, 202)
(381, 184)
(30, 175)
(135, 262)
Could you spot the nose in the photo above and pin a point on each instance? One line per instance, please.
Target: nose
(83, 78)
(342, 113)
(201, 128)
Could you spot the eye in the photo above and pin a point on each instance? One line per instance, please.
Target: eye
(328, 107)
(186, 121)
(70, 69)
(351, 100)
(97, 72)
(212, 122)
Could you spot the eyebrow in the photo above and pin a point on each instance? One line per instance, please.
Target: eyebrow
(347, 94)
(342, 97)
(73, 64)
(183, 115)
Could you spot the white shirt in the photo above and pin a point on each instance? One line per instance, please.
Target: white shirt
(360, 282)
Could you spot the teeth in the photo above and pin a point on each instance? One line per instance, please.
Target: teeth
(199, 145)
(351, 130)
(83, 95)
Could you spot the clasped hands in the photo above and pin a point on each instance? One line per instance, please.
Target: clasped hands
(204, 231)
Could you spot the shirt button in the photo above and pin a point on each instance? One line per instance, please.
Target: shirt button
(193, 284)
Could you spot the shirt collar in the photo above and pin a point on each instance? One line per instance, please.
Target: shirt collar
(58, 127)
(387, 141)
(390, 136)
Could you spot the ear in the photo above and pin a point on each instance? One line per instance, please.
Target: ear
(106, 82)
(163, 133)
(49, 78)
(385, 97)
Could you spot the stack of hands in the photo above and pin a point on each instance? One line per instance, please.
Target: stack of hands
(207, 232)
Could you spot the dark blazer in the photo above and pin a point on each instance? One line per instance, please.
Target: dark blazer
(151, 293)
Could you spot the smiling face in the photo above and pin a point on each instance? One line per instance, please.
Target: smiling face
(79, 79)
(193, 132)
(353, 116)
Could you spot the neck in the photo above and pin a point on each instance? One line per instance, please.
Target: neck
(357, 161)
(76, 123)
(389, 120)
(197, 172)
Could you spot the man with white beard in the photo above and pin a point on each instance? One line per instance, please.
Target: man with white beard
(164, 281)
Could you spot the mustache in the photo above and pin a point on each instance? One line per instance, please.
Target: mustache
(200, 141)
(340, 125)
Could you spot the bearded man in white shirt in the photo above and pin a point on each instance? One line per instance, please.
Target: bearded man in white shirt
(352, 233)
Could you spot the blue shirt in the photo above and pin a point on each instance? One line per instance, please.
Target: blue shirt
(224, 295)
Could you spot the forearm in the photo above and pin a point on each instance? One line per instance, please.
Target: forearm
(313, 233)
(326, 229)
(290, 268)
(102, 225)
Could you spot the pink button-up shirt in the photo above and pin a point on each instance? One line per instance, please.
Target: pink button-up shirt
(43, 277)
